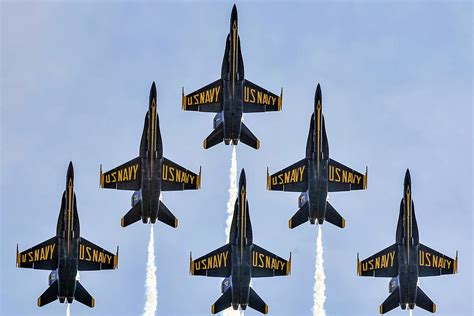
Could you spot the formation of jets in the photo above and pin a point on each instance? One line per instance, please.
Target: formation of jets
(240, 259)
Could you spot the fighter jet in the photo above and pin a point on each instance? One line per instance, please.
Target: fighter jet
(239, 261)
(149, 174)
(316, 175)
(406, 260)
(231, 96)
(66, 253)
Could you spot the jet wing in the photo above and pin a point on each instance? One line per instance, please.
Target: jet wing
(176, 178)
(434, 263)
(43, 256)
(93, 257)
(342, 178)
(125, 177)
(383, 264)
(257, 99)
(267, 264)
(215, 264)
(293, 178)
(206, 99)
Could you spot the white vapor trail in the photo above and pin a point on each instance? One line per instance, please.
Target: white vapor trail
(150, 284)
(230, 213)
(411, 312)
(68, 311)
(232, 192)
(319, 296)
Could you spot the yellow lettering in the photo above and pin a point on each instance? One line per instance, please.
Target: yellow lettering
(171, 174)
(224, 256)
(88, 252)
(252, 93)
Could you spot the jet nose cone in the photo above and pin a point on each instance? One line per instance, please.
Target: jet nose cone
(242, 178)
(318, 95)
(407, 178)
(70, 171)
(317, 99)
(233, 16)
(153, 90)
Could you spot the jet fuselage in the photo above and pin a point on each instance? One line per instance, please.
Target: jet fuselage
(67, 233)
(151, 156)
(241, 241)
(407, 240)
(317, 153)
(232, 76)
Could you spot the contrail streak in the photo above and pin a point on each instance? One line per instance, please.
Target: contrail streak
(319, 296)
(150, 284)
(411, 312)
(232, 192)
(68, 311)
(230, 213)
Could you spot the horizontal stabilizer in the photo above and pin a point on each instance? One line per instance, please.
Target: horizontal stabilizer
(392, 301)
(300, 217)
(333, 217)
(248, 138)
(223, 302)
(165, 216)
(216, 137)
(50, 295)
(134, 215)
(83, 296)
(257, 303)
(423, 301)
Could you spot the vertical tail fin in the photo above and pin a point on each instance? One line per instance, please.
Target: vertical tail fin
(333, 217)
(215, 137)
(50, 295)
(257, 303)
(222, 302)
(423, 301)
(392, 301)
(134, 215)
(165, 216)
(300, 217)
(248, 138)
(83, 296)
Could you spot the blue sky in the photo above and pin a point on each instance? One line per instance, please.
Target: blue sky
(396, 80)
